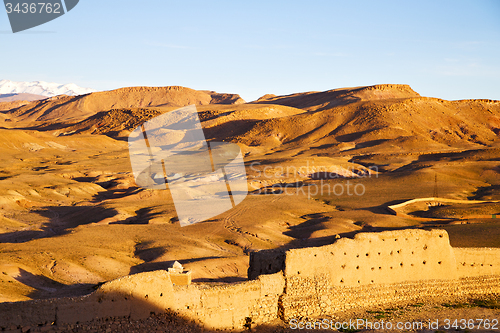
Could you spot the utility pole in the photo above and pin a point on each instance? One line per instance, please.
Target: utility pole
(435, 194)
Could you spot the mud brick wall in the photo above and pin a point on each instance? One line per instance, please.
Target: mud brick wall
(373, 270)
(266, 262)
(231, 305)
(134, 296)
(477, 261)
(380, 269)
(313, 297)
(386, 257)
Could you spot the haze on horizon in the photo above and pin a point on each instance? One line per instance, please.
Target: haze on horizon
(447, 49)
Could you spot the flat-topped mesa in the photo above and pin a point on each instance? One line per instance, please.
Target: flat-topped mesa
(479, 100)
(399, 87)
(321, 100)
(385, 91)
(20, 97)
(145, 89)
(168, 96)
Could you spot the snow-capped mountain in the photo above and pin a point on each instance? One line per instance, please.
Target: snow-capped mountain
(42, 88)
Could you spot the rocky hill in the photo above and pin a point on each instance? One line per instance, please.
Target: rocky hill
(392, 117)
(74, 108)
(315, 101)
(382, 116)
(20, 97)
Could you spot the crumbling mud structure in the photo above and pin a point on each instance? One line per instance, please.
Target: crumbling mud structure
(372, 270)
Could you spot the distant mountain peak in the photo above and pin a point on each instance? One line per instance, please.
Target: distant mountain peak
(43, 88)
(321, 100)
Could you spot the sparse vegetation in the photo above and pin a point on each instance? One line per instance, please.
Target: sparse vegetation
(488, 304)
(418, 305)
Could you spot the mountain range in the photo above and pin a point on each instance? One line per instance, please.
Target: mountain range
(364, 118)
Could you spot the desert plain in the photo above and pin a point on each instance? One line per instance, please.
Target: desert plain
(320, 166)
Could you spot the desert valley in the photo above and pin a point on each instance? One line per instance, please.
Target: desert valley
(321, 166)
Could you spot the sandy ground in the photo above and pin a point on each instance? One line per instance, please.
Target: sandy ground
(318, 165)
(424, 318)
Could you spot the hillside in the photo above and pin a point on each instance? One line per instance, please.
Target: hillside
(364, 119)
(6, 106)
(74, 108)
(20, 97)
(317, 101)
(400, 123)
(367, 119)
(118, 123)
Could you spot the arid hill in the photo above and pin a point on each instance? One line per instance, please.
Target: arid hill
(372, 118)
(12, 101)
(315, 101)
(118, 123)
(6, 106)
(362, 118)
(73, 108)
(20, 97)
(404, 123)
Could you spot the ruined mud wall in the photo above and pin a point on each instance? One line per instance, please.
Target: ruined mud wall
(477, 261)
(266, 262)
(381, 269)
(370, 258)
(139, 295)
(231, 305)
(370, 271)
(134, 296)
(314, 298)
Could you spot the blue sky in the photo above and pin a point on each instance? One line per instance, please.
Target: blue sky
(445, 49)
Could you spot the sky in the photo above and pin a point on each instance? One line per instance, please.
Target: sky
(444, 49)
